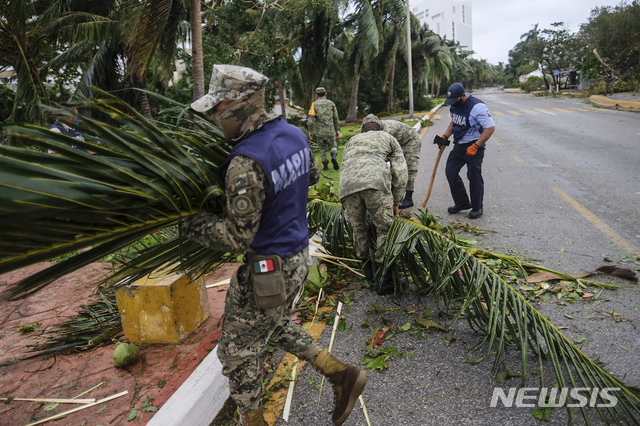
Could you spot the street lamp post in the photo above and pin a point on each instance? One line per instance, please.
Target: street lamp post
(409, 65)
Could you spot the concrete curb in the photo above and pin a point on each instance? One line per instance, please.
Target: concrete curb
(200, 398)
(615, 103)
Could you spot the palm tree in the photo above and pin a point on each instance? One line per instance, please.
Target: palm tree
(362, 50)
(392, 21)
(125, 42)
(25, 47)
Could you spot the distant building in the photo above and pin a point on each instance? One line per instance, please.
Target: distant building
(449, 19)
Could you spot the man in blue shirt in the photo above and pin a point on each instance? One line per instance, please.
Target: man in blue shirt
(471, 126)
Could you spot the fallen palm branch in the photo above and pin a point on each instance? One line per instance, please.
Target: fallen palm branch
(94, 326)
(435, 264)
(550, 274)
(143, 178)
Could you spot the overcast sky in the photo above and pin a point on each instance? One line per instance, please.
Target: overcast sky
(498, 24)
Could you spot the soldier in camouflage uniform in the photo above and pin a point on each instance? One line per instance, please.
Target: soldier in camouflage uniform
(323, 127)
(368, 185)
(411, 144)
(266, 177)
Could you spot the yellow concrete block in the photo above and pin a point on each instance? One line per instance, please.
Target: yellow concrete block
(162, 308)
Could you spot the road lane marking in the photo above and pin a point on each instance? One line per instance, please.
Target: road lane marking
(616, 238)
(580, 109)
(496, 113)
(563, 110)
(546, 111)
(518, 159)
(514, 112)
(496, 141)
(528, 111)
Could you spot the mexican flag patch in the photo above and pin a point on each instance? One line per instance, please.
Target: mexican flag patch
(262, 266)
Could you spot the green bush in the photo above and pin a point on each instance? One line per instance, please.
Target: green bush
(533, 83)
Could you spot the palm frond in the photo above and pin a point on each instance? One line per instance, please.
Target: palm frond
(327, 219)
(435, 264)
(143, 178)
(95, 325)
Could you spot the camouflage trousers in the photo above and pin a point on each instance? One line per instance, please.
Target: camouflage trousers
(326, 143)
(379, 205)
(247, 329)
(412, 157)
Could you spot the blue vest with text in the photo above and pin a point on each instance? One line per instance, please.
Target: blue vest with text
(283, 153)
(460, 120)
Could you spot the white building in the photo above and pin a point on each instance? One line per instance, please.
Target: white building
(449, 19)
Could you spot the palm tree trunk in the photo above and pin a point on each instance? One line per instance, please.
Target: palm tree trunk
(352, 113)
(145, 107)
(63, 93)
(282, 94)
(390, 94)
(196, 50)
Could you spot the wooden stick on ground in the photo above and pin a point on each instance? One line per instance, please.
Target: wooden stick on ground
(292, 383)
(364, 410)
(64, 413)
(219, 283)
(60, 401)
(333, 335)
(88, 390)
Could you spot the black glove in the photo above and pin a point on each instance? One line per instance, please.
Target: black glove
(440, 141)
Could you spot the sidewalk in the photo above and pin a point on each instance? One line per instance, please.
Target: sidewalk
(185, 373)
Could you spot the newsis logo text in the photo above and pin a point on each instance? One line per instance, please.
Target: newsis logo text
(555, 397)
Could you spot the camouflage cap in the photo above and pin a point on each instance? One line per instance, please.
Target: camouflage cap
(321, 91)
(229, 82)
(371, 118)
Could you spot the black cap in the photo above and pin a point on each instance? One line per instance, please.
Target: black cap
(453, 93)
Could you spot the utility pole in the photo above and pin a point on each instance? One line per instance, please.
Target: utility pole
(409, 65)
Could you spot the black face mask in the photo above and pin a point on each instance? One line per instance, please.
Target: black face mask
(458, 103)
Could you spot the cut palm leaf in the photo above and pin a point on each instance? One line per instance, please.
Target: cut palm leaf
(435, 264)
(143, 178)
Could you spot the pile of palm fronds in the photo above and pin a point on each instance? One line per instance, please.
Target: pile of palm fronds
(436, 264)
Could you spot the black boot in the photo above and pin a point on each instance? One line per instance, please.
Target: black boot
(334, 161)
(325, 162)
(387, 286)
(367, 269)
(408, 200)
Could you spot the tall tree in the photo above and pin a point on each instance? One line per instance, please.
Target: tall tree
(25, 47)
(362, 50)
(195, 19)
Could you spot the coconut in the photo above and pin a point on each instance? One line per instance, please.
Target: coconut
(125, 354)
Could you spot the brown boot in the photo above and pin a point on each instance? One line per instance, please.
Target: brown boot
(348, 382)
(253, 418)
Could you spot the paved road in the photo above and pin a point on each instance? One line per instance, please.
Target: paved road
(562, 190)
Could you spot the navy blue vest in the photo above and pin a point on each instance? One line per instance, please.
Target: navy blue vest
(283, 153)
(460, 118)
(69, 132)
